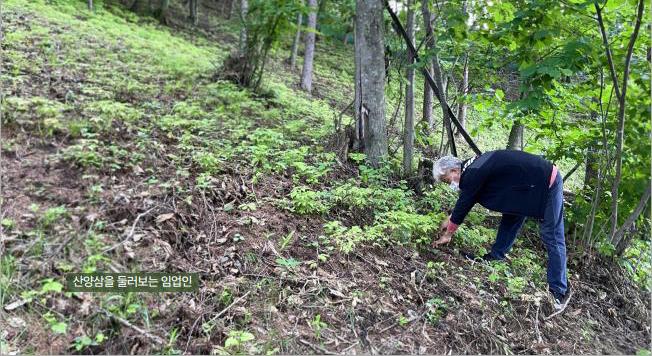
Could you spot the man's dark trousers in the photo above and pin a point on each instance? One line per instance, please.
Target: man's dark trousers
(552, 235)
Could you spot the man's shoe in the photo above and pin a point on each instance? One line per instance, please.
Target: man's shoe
(561, 301)
(487, 257)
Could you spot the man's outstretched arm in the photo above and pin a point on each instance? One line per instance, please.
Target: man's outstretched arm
(473, 181)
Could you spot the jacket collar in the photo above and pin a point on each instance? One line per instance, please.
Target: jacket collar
(467, 163)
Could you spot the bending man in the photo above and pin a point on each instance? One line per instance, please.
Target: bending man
(519, 185)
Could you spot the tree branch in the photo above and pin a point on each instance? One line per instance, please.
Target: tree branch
(620, 132)
(607, 48)
(618, 242)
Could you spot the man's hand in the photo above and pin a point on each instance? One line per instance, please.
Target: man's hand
(445, 235)
(443, 239)
(444, 224)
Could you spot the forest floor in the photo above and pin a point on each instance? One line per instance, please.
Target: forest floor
(122, 152)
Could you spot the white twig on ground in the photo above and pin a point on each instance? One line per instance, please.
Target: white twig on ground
(131, 232)
(124, 322)
(536, 325)
(316, 347)
(229, 307)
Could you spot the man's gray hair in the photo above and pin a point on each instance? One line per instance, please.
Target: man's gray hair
(443, 165)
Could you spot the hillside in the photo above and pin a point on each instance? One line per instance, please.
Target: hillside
(123, 150)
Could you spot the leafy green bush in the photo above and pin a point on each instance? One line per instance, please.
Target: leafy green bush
(306, 201)
(52, 216)
(207, 161)
(473, 238)
(43, 115)
(344, 238)
(238, 340)
(436, 309)
(407, 227)
(348, 195)
(636, 261)
(375, 197)
(113, 110)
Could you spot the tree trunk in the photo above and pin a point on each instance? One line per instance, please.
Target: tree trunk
(163, 14)
(620, 132)
(408, 130)
(139, 7)
(438, 76)
(244, 8)
(192, 4)
(592, 155)
(233, 8)
(295, 42)
(370, 46)
(322, 8)
(427, 101)
(620, 243)
(306, 73)
(591, 168)
(461, 108)
(515, 141)
(229, 9)
(587, 234)
(358, 137)
(427, 90)
(90, 5)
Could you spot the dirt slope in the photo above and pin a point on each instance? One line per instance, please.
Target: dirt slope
(119, 153)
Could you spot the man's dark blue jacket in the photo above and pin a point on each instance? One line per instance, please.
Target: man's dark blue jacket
(507, 181)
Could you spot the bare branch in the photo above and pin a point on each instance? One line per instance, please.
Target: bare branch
(607, 48)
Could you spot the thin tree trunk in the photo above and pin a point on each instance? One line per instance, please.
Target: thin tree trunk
(163, 14)
(602, 168)
(295, 42)
(233, 8)
(588, 228)
(244, 8)
(229, 9)
(515, 141)
(195, 14)
(309, 53)
(427, 90)
(605, 42)
(438, 75)
(90, 5)
(464, 88)
(620, 133)
(370, 44)
(138, 7)
(461, 108)
(408, 136)
(358, 137)
(620, 243)
(621, 95)
(321, 9)
(428, 101)
(591, 167)
(192, 7)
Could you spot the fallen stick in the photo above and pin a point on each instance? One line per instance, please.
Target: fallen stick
(124, 322)
(350, 347)
(316, 347)
(131, 232)
(536, 325)
(229, 307)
